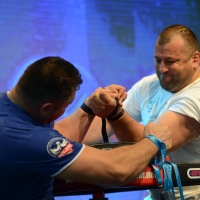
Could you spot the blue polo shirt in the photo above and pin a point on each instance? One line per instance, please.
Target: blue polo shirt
(31, 154)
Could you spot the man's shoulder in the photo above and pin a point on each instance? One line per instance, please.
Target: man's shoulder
(195, 84)
(191, 88)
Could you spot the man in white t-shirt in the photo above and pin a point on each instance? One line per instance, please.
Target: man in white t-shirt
(170, 97)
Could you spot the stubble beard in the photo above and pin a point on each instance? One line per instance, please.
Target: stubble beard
(168, 86)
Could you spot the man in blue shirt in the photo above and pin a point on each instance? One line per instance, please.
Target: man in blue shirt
(34, 149)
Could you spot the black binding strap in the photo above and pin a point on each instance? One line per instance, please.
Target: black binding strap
(117, 117)
(87, 109)
(114, 111)
(103, 128)
(110, 117)
(103, 131)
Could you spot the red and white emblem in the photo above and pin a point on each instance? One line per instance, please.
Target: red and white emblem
(59, 146)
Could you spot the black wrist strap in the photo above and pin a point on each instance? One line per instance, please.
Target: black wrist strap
(114, 111)
(87, 109)
(117, 117)
(110, 117)
(103, 128)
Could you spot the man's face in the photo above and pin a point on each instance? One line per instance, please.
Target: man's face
(173, 65)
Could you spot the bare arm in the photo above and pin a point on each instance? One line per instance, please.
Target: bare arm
(75, 126)
(183, 128)
(125, 128)
(94, 134)
(117, 166)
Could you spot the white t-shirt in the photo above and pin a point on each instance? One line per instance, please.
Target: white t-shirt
(147, 100)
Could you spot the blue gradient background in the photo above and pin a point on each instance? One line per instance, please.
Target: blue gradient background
(109, 41)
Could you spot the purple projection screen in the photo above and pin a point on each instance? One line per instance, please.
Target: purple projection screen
(109, 41)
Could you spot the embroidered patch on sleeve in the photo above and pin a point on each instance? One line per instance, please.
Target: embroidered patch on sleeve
(59, 146)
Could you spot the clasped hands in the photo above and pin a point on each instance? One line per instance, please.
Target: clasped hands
(102, 100)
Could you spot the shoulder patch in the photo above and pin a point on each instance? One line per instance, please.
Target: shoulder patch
(59, 146)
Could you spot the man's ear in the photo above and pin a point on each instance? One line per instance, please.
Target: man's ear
(47, 109)
(196, 59)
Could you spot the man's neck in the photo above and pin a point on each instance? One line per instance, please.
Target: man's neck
(31, 110)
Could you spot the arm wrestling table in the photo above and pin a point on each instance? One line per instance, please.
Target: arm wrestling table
(189, 174)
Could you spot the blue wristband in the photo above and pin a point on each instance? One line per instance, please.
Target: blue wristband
(158, 164)
(160, 145)
(167, 184)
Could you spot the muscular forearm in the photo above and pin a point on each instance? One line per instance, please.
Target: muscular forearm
(75, 126)
(111, 168)
(136, 159)
(94, 133)
(127, 129)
